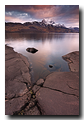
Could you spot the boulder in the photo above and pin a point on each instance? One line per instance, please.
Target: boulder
(32, 50)
(40, 82)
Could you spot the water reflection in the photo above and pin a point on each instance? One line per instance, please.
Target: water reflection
(51, 48)
(34, 36)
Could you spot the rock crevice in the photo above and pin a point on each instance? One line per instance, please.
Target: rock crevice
(61, 91)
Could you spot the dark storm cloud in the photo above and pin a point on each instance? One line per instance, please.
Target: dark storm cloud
(68, 14)
(68, 9)
(25, 7)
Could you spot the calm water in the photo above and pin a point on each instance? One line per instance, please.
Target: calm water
(51, 48)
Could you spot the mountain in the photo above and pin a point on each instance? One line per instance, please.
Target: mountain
(44, 26)
(48, 22)
(74, 28)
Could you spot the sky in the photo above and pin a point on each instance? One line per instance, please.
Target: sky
(63, 14)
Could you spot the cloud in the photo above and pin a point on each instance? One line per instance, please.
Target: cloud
(26, 8)
(12, 19)
(59, 13)
(38, 11)
(56, 10)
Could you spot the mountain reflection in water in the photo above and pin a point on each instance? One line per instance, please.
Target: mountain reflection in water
(51, 47)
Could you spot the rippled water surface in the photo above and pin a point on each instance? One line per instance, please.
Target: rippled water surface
(51, 48)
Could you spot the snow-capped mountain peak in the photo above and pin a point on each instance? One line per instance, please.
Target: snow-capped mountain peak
(51, 22)
(47, 21)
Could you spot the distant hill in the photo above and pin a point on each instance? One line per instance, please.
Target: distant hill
(76, 29)
(43, 26)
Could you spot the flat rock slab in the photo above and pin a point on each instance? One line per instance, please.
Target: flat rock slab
(67, 82)
(53, 102)
(59, 94)
(17, 79)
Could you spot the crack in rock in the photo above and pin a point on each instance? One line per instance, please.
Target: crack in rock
(71, 87)
(61, 91)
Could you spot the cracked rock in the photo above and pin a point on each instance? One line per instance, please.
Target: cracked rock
(60, 92)
(53, 102)
(59, 81)
(17, 79)
(15, 105)
(15, 89)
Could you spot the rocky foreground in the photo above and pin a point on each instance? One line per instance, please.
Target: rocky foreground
(58, 94)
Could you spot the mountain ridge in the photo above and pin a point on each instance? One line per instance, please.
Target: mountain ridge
(35, 26)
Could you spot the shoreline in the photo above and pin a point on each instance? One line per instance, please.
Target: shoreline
(31, 99)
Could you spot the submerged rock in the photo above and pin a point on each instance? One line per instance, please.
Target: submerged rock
(50, 66)
(32, 50)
